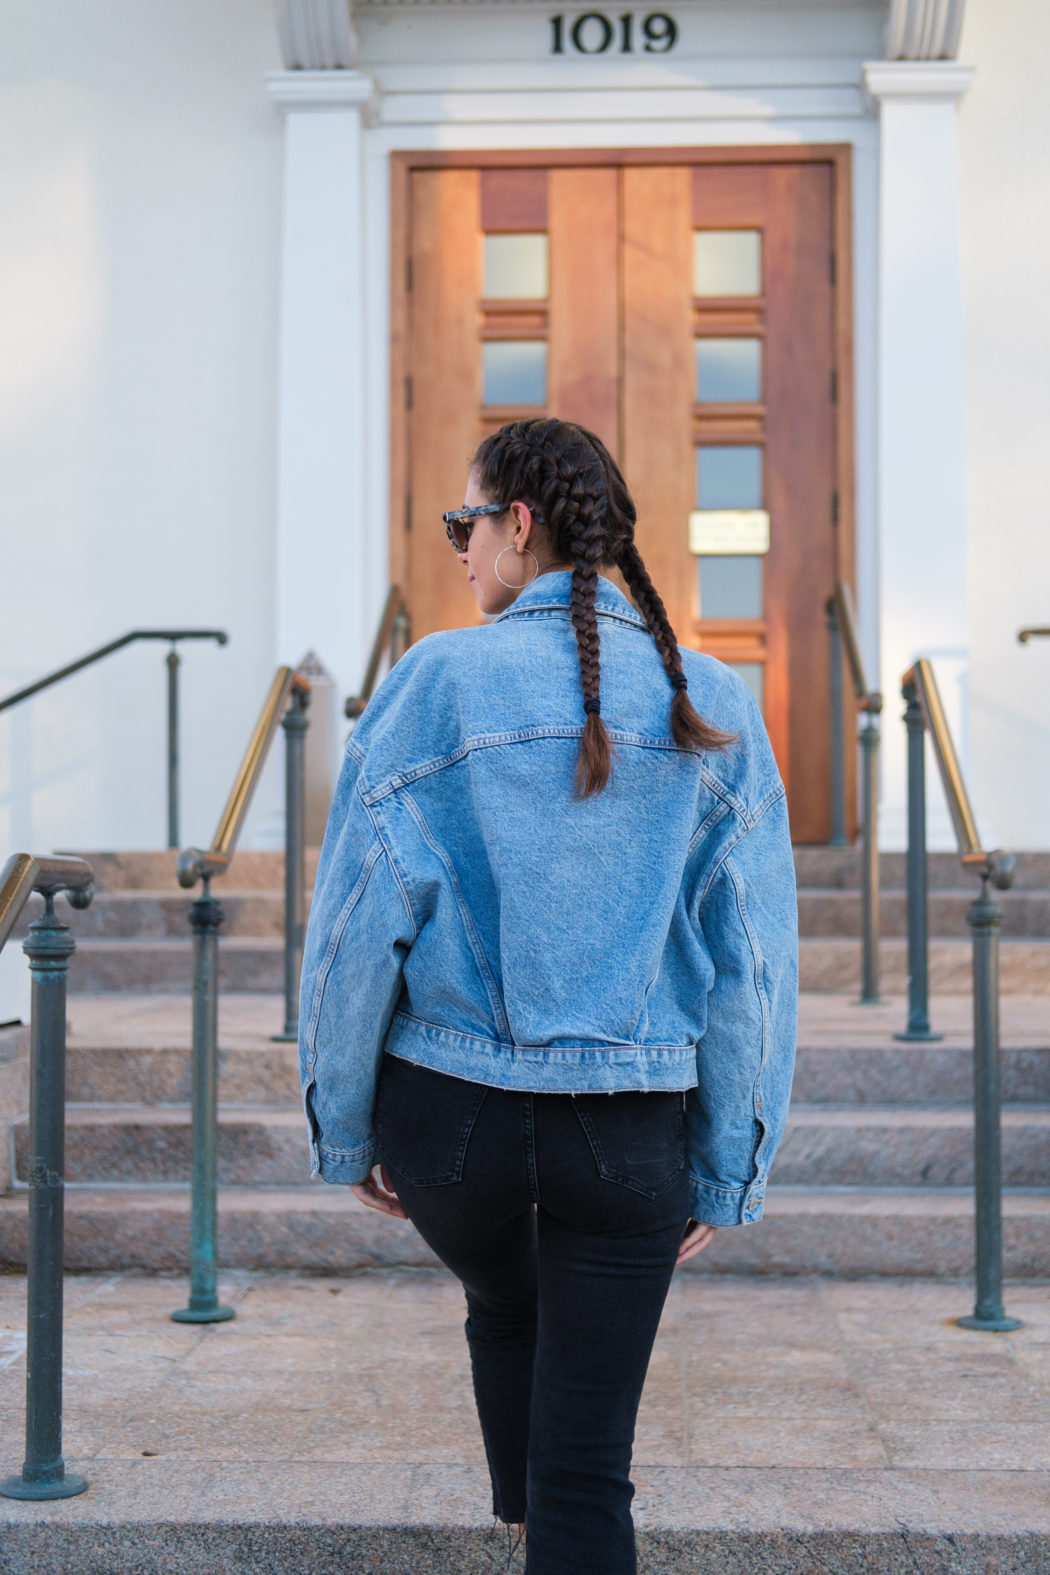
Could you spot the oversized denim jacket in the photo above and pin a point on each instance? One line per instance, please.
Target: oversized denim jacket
(474, 917)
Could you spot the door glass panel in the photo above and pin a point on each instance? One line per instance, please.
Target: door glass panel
(514, 372)
(729, 370)
(729, 476)
(727, 262)
(515, 267)
(730, 587)
(753, 674)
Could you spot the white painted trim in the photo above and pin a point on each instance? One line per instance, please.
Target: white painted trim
(918, 81)
(924, 29)
(306, 90)
(316, 35)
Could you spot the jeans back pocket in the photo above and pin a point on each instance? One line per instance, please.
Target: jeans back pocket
(424, 1120)
(637, 1139)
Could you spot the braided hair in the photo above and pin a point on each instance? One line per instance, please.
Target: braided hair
(569, 477)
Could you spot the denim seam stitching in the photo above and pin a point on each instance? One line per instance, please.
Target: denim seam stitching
(742, 831)
(526, 735)
(328, 961)
(756, 952)
(399, 879)
(509, 1044)
(499, 1011)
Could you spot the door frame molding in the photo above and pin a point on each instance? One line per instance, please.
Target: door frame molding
(838, 155)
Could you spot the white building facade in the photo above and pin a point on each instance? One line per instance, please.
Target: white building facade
(200, 423)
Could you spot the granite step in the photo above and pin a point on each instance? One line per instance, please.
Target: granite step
(836, 1146)
(256, 964)
(252, 869)
(266, 1073)
(151, 1145)
(162, 915)
(841, 867)
(849, 1231)
(246, 963)
(834, 966)
(915, 1147)
(825, 911)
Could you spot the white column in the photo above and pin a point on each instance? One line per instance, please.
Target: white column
(322, 393)
(921, 435)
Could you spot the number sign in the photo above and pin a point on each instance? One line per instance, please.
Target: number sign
(594, 33)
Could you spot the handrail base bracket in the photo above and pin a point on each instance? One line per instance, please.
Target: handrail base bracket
(38, 1488)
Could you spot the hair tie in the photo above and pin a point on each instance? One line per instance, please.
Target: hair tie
(594, 705)
(680, 681)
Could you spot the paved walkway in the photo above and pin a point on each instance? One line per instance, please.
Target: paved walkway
(835, 1425)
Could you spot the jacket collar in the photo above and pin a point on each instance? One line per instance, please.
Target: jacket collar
(554, 590)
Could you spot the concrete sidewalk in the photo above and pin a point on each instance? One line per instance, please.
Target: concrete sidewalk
(789, 1426)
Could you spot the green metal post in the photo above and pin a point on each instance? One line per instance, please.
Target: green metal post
(918, 946)
(173, 747)
(869, 745)
(985, 917)
(49, 946)
(204, 1307)
(295, 725)
(838, 730)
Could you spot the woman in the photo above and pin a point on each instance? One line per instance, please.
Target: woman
(550, 973)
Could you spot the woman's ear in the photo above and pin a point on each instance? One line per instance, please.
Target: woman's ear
(523, 524)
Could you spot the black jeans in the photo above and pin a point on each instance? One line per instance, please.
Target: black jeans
(562, 1215)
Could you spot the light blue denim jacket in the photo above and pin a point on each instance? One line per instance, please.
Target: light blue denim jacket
(470, 915)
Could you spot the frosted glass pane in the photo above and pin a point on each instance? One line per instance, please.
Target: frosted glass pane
(754, 675)
(729, 476)
(514, 372)
(730, 587)
(727, 262)
(515, 267)
(729, 370)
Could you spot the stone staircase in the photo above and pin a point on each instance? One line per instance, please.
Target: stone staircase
(874, 1175)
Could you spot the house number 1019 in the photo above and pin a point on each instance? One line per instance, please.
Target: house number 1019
(592, 33)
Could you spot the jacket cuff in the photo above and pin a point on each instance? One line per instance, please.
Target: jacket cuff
(715, 1205)
(341, 1168)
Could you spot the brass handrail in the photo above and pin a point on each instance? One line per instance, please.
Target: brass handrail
(921, 678)
(868, 700)
(23, 874)
(393, 624)
(1034, 632)
(193, 863)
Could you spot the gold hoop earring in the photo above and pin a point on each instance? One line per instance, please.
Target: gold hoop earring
(523, 584)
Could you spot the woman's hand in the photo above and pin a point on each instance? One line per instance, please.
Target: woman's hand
(376, 1196)
(696, 1238)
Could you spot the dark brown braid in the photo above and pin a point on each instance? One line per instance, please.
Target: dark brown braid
(569, 477)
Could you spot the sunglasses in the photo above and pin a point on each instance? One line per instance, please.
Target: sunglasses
(460, 522)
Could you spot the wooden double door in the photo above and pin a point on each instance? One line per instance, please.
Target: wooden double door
(689, 307)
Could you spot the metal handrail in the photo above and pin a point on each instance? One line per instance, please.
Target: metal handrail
(194, 864)
(867, 699)
(984, 918)
(394, 636)
(1035, 632)
(842, 631)
(959, 806)
(286, 705)
(173, 636)
(24, 874)
(49, 946)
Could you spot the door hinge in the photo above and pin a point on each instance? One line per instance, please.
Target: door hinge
(834, 508)
(408, 512)
(834, 387)
(408, 273)
(833, 268)
(408, 393)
